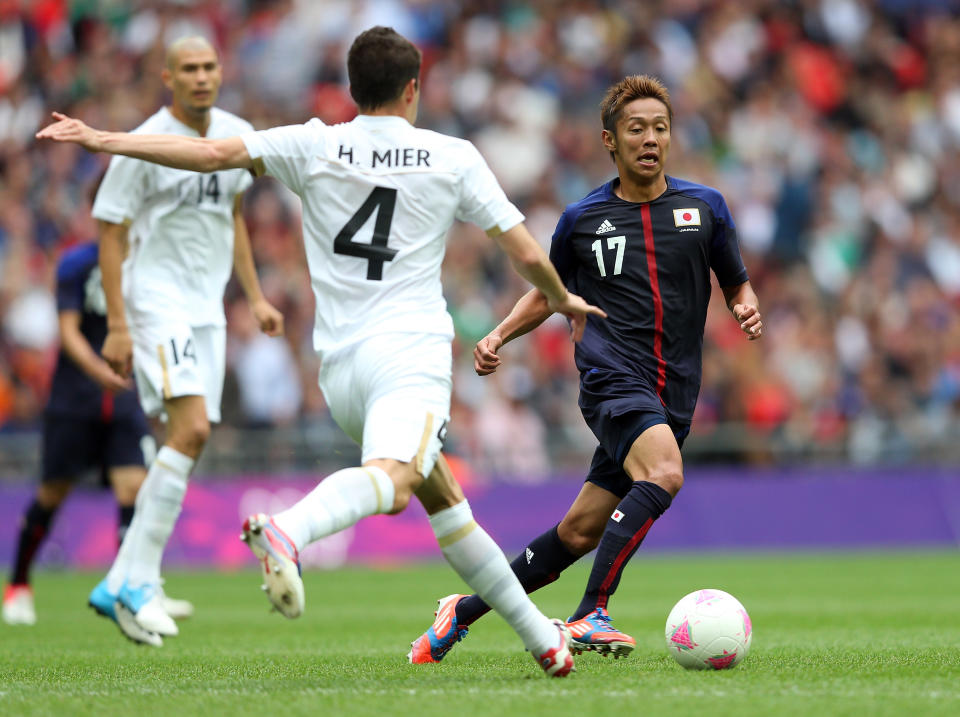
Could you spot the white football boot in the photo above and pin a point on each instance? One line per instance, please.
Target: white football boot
(145, 603)
(174, 607)
(279, 563)
(18, 605)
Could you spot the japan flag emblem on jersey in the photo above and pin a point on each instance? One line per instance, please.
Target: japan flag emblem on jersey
(686, 217)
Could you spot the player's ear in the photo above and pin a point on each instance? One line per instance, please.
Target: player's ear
(167, 78)
(609, 140)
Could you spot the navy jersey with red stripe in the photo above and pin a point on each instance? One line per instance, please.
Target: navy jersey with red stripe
(647, 265)
(72, 392)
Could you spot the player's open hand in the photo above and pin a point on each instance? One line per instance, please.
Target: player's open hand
(269, 319)
(749, 318)
(576, 309)
(485, 359)
(118, 352)
(67, 129)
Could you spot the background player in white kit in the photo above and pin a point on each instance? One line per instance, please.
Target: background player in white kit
(378, 198)
(184, 230)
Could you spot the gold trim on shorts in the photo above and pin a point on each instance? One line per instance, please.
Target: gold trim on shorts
(424, 440)
(167, 391)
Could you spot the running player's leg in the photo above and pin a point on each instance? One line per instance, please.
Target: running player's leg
(69, 447)
(552, 552)
(158, 506)
(353, 381)
(125, 481)
(628, 419)
(656, 469)
(179, 372)
(18, 608)
(481, 564)
(393, 394)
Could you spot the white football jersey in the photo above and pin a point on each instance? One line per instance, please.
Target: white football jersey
(180, 227)
(379, 196)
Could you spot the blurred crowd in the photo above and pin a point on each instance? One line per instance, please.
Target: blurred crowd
(832, 127)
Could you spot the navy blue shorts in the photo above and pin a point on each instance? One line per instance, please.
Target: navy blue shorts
(74, 445)
(618, 408)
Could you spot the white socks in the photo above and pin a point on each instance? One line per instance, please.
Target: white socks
(338, 502)
(157, 508)
(483, 566)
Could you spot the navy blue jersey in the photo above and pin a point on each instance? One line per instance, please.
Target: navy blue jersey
(648, 266)
(72, 392)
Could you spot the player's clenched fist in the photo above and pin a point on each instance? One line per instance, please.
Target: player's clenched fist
(268, 318)
(749, 318)
(485, 359)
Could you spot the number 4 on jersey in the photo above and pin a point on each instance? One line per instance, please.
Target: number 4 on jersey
(382, 201)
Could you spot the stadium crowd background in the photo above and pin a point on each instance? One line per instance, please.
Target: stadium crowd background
(832, 127)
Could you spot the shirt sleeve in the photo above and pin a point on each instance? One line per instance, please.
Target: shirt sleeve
(560, 254)
(725, 259)
(283, 152)
(122, 190)
(244, 180)
(482, 200)
(71, 276)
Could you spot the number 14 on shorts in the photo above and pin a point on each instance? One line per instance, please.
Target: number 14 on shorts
(182, 350)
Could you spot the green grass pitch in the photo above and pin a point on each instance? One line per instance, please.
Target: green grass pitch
(848, 634)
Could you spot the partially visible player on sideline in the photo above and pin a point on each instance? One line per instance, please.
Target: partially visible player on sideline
(379, 196)
(641, 247)
(92, 421)
(168, 240)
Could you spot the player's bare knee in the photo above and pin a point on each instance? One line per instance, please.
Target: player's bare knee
(579, 537)
(405, 481)
(190, 439)
(401, 499)
(668, 477)
(51, 494)
(581, 543)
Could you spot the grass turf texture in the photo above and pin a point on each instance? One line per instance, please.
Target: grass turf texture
(874, 634)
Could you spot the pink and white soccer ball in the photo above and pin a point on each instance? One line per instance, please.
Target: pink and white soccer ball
(708, 630)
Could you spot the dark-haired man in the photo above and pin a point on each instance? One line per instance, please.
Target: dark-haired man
(641, 247)
(378, 198)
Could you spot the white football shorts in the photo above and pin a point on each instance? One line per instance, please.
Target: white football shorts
(172, 359)
(391, 394)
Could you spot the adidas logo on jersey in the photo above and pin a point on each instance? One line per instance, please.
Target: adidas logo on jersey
(529, 555)
(605, 227)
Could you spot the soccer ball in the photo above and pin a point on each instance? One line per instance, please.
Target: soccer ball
(708, 630)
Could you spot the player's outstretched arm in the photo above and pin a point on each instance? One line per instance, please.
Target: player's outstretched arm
(528, 313)
(745, 306)
(197, 154)
(268, 318)
(532, 263)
